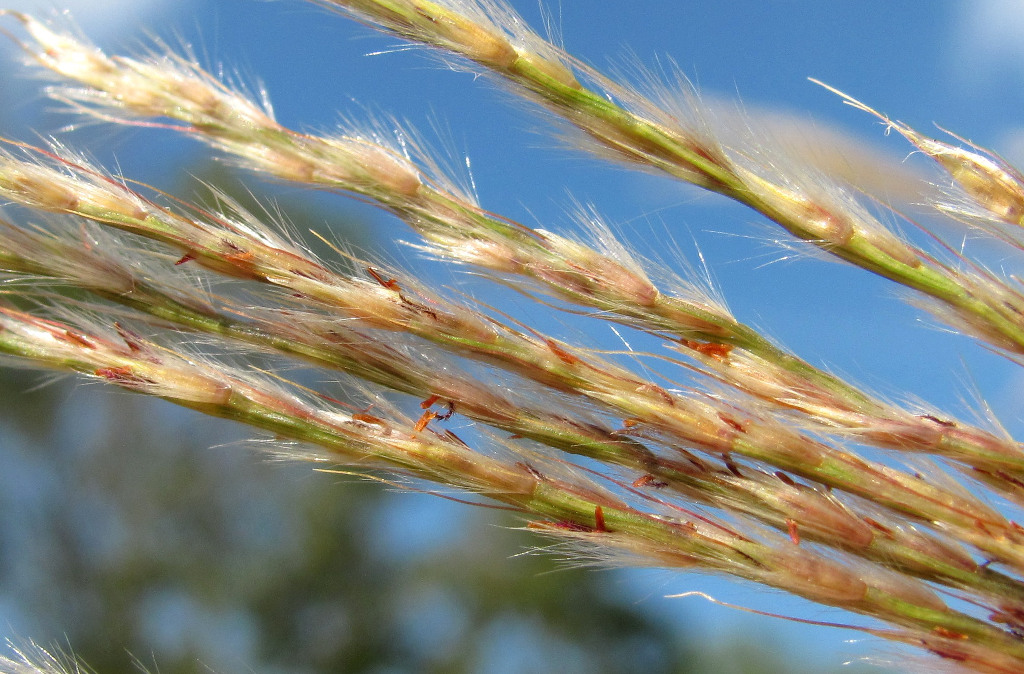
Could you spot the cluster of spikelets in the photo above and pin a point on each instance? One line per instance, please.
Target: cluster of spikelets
(748, 471)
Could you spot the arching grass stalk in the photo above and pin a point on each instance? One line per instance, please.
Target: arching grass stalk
(628, 126)
(247, 250)
(587, 512)
(457, 228)
(816, 516)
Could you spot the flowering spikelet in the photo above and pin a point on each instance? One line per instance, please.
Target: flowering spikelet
(991, 185)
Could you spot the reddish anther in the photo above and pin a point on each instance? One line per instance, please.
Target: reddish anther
(785, 478)
(75, 338)
(711, 349)
(424, 419)
(732, 423)
(536, 474)
(390, 284)
(118, 375)
(131, 339)
(936, 420)
(794, 533)
(948, 634)
(562, 354)
(877, 525)
(187, 257)
(244, 256)
(370, 419)
(649, 480)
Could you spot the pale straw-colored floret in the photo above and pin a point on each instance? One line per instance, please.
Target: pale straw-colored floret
(150, 373)
(171, 86)
(164, 86)
(488, 33)
(986, 181)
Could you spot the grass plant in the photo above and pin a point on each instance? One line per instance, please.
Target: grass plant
(726, 453)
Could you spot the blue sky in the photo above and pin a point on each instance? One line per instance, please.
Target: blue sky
(957, 64)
